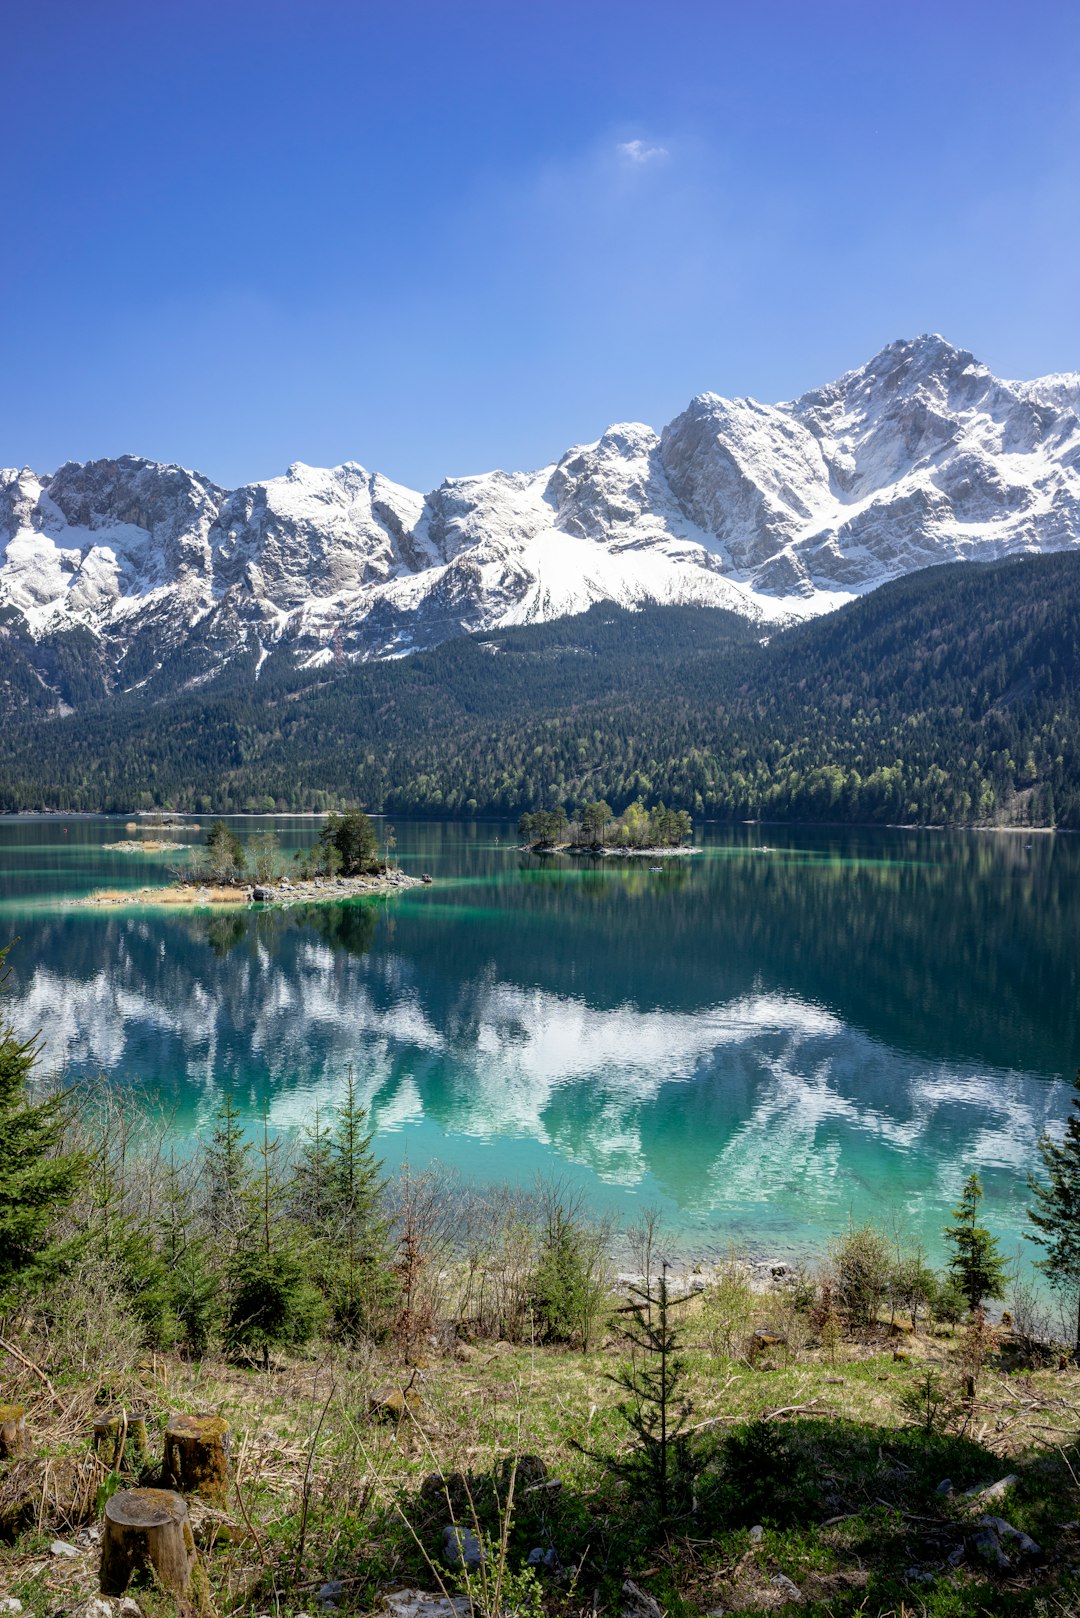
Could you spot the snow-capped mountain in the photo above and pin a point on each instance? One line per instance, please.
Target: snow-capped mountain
(773, 511)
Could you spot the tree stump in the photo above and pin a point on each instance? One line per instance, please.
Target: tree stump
(146, 1532)
(120, 1440)
(14, 1439)
(197, 1456)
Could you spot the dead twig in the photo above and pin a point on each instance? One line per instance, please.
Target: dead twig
(308, 1475)
(254, 1532)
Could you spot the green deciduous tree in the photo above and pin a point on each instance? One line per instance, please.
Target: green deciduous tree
(37, 1179)
(1056, 1213)
(265, 857)
(862, 1264)
(977, 1265)
(224, 853)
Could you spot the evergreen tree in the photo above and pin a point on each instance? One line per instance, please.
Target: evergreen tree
(653, 1408)
(353, 835)
(861, 1264)
(1056, 1214)
(595, 819)
(562, 1296)
(311, 1192)
(37, 1180)
(977, 1265)
(191, 1288)
(568, 1285)
(122, 1235)
(272, 1303)
(338, 1189)
(228, 1172)
(545, 828)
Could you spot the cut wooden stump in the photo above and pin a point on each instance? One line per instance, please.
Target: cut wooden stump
(120, 1441)
(146, 1532)
(14, 1438)
(197, 1456)
(393, 1404)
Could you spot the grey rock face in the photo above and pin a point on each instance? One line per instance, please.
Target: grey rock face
(775, 511)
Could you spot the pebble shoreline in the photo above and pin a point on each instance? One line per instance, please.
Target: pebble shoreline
(280, 895)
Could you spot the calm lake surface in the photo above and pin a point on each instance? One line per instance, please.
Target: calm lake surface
(760, 1043)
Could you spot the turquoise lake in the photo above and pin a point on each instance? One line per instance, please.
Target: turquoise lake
(762, 1043)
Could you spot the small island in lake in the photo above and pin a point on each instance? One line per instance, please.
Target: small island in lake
(135, 845)
(344, 863)
(657, 832)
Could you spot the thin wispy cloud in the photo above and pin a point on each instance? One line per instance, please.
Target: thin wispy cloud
(636, 151)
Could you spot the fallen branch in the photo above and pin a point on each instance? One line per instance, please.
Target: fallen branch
(789, 1410)
(9, 1348)
(711, 1421)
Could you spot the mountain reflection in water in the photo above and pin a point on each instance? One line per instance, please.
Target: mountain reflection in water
(764, 1044)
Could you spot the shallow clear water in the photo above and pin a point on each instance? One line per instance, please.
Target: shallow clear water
(763, 1044)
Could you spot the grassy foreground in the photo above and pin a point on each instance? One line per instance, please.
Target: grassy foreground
(333, 1480)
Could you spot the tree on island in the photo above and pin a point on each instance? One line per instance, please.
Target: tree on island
(37, 1181)
(1056, 1214)
(265, 858)
(544, 829)
(353, 837)
(595, 819)
(225, 853)
(596, 827)
(977, 1265)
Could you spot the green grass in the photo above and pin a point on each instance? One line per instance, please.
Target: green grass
(851, 1514)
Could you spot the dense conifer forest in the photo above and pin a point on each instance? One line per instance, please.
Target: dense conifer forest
(948, 697)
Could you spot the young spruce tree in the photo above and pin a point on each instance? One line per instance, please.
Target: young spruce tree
(338, 1196)
(977, 1264)
(271, 1301)
(654, 1409)
(1056, 1214)
(37, 1180)
(192, 1285)
(228, 1174)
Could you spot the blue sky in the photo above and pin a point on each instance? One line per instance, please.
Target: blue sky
(437, 238)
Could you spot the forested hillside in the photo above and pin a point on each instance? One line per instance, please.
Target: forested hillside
(948, 696)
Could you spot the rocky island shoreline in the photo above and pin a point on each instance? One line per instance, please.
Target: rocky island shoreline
(281, 894)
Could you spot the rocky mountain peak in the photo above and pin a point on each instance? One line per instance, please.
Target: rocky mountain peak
(776, 511)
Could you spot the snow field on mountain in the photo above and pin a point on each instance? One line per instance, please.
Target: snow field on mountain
(772, 511)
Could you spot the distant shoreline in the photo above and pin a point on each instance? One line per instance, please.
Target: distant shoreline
(502, 819)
